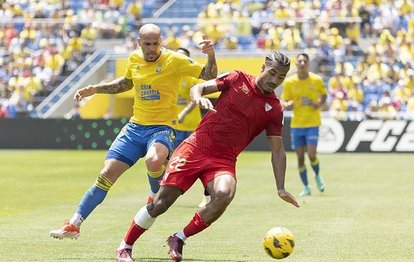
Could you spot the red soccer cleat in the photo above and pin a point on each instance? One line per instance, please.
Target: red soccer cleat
(124, 255)
(176, 248)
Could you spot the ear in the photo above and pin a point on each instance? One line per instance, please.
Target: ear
(263, 68)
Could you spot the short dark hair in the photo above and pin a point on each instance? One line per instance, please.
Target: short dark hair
(303, 54)
(277, 57)
(184, 50)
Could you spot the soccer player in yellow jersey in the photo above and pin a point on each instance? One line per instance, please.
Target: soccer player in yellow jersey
(305, 92)
(154, 73)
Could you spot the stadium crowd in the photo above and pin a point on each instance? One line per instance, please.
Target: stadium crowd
(363, 48)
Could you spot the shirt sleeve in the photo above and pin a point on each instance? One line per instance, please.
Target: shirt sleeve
(275, 126)
(128, 74)
(321, 86)
(225, 80)
(286, 91)
(185, 66)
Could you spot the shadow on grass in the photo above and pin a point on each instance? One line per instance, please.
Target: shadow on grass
(152, 259)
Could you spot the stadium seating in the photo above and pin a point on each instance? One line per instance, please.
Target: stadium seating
(384, 32)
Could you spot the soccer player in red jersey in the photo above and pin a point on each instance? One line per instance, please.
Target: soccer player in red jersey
(247, 106)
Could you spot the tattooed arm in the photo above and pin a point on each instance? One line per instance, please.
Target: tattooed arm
(210, 68)
(119, 85)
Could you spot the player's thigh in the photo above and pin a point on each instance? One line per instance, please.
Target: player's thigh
(312, 135)
(298, 138)
(127, 147)
(222, 186)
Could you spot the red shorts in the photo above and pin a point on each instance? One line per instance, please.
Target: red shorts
(188, 163)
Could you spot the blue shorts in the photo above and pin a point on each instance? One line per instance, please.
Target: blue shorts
(180, 137)
(304, 136)
(133, 141)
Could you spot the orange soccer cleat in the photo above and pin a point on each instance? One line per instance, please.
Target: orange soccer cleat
(67, 231)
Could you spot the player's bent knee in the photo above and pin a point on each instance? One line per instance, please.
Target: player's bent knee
(154, 165)
(223, 198)
(108, 175)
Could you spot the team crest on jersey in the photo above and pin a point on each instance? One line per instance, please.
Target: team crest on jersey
(312, 87)
(268, 107)
(245, 89)
(158, 68)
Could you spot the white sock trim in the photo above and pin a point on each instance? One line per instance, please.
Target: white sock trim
(180, 235)
(76, 220)
(143, 218)
(124, 245)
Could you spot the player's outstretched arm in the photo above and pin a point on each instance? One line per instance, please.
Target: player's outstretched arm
(186, 111)
(279, 168)
(210, 68)
(197, 92)
(119, 85)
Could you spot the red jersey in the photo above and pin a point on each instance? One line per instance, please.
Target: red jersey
(243, 112)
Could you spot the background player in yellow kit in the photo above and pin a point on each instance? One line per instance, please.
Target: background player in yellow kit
(305, 92)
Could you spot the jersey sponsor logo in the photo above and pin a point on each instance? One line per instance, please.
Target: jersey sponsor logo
(147, 93)
(268, 107)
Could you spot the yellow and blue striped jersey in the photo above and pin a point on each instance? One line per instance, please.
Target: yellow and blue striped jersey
(193, 118)
(303, 93)
(156, 86)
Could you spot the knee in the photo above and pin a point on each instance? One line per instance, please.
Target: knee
(223, 198)
(111, 176)
(154, 163)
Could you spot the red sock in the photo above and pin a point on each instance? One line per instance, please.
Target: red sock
(134, 232)
(195, 226)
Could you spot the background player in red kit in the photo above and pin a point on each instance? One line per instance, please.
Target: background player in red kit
(246, 107)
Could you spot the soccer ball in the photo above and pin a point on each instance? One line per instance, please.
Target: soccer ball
(279, 242)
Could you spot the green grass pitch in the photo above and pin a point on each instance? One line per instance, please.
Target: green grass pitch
(366, 213)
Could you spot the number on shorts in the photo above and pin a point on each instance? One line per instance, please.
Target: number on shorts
(177, 162)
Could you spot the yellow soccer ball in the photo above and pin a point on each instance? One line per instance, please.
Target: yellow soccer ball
(279, 242)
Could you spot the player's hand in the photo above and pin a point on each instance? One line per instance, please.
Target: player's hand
(205, 103)
(288, 197)
(84, 92)
(181, 118)
(316, 105)
(207, 46)
(288, 104)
